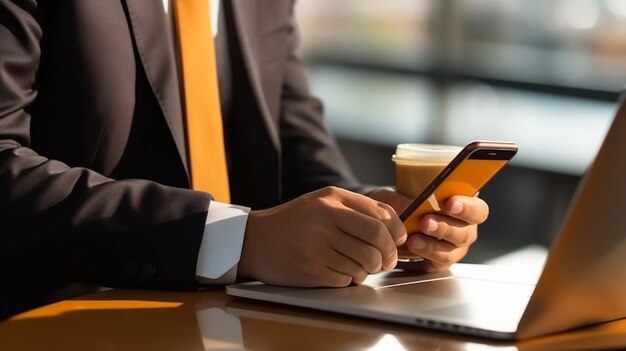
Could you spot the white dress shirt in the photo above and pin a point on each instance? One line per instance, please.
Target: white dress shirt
(222, 242)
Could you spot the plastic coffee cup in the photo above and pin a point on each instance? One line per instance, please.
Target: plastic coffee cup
(416, 166)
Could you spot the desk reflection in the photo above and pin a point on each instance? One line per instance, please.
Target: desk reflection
(211, 320)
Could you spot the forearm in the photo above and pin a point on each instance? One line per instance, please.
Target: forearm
(79, 225)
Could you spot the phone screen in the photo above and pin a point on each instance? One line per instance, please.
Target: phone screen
(465, 175)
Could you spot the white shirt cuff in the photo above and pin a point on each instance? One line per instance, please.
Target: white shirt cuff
(222, 242)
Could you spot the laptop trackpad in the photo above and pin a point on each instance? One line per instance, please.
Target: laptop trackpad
(469, 301)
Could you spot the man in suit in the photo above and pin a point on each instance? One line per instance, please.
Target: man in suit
(94, 184)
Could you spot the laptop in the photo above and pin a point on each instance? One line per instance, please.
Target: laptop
(583, 281)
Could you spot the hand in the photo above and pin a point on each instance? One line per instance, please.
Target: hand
(329, 237)
(448, 237)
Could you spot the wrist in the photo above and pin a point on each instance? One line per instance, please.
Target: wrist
(248, 266)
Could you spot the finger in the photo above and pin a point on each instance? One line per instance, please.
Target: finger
(400, 203)
(368, 257)
(473, 210)
(390, 196)
(370, 232)
(379, 211)
(345, 266)
(335, 279)
(438, 254)
(449, 229)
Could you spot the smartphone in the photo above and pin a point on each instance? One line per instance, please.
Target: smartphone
(466, 174)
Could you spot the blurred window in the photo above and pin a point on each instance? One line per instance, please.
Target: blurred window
(455, 70)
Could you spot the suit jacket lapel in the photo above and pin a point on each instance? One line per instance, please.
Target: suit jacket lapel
(244, 13)
(156, 52)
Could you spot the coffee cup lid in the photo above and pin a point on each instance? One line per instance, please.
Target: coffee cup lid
(425, 152)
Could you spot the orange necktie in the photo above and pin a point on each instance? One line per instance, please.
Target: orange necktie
(205, 138)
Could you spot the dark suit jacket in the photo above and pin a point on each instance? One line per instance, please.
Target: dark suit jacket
(93, 170)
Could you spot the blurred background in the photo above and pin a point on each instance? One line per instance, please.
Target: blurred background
(545, 74)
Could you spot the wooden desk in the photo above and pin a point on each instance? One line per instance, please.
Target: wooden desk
(211, 320)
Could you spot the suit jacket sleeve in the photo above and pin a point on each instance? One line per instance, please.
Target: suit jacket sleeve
(73, 223)
(311, 157)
